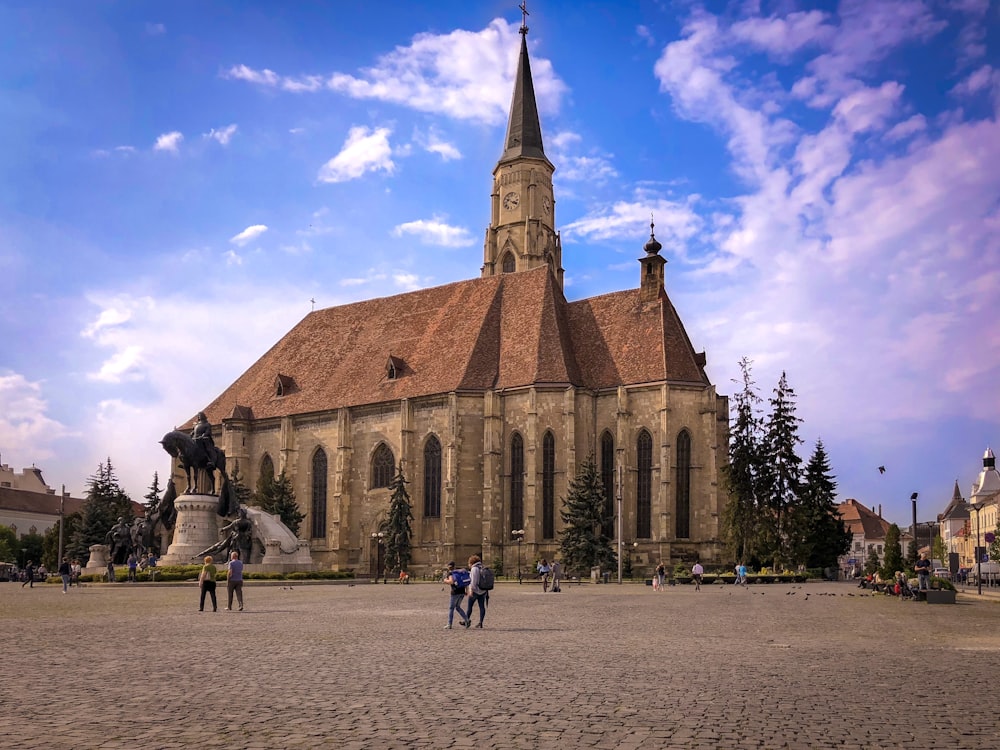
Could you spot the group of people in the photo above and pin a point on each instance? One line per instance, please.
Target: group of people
(465, 583)
(134, 564)
(545, 571)
(234, 582)
(697, 571)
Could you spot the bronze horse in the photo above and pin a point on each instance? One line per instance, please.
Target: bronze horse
(161, 521)
(183, 447)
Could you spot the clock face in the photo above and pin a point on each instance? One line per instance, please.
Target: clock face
(546, 205)
(510, 201)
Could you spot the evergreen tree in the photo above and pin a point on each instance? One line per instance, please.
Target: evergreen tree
(871, 563)
(399, 535)
(50, 541)
(911, 554)
(152, 497)
(893, 558)
(782, 472)
(818, 533)
(9, 550)
(280, 500)
(743, 472)
(105, 503)
(265, 488)
(243, 494)
(34, 546)
(585, 541)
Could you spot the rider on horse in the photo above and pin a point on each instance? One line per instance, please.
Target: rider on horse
(202, 434)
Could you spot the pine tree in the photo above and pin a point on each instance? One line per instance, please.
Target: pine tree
(50, 540)
(585, 541)
(872, 562)
(152, 497)
(105, 503)
(743, 471)
(243, 493)
(9, 551)
(280, 501)
(819, 536)
(892, 561)
(399, 535)
(782, 472)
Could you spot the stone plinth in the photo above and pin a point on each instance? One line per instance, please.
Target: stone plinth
(98, 562)
(196, 529)
(278, 561)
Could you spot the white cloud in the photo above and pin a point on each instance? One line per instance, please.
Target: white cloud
(223, 135)
(446, 151)
(365, 150)
(675, 222)
(122, 365)
(233, 258)
(248, 235)
(435, 232)
(169, 142)
(782, 36)
(27, 433)
(407, 281)
(466, 75)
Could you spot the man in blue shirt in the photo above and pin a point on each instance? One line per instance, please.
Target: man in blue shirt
(234, 580)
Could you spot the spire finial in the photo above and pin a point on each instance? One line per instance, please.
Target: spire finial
(652, 246)
(524, 16)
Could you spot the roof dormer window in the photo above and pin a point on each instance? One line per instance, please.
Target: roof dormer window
(394, 368)
(283, 385)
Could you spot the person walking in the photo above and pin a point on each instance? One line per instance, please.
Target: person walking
(458, 579)
(207, 584)
(543, 572)
(111, 572)
(476, 594)
(234, 580)
(556, 576)
(65, 574)
(697, 571)
(29, 572)
(741, 574)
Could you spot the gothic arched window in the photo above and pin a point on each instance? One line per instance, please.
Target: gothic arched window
(432, 478)
(318, 519)
(644, 486)
(507, 264)
(608, 480)
(683, 485)
(383, 466)
(266, 476)
(548, 486)
(516, 482)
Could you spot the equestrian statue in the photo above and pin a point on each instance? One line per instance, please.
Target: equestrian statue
(197, 452)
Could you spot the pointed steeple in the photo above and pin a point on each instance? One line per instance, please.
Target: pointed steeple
(524, 131)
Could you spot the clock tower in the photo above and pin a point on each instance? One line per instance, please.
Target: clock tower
(521, 234)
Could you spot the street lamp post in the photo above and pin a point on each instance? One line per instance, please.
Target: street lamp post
(378, 538)
(979, 567)
(518, 535)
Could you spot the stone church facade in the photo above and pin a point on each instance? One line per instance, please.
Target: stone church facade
(491, 393)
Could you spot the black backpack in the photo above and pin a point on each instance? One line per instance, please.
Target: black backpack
(486, 579)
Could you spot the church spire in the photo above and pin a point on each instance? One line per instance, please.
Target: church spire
(524, 131)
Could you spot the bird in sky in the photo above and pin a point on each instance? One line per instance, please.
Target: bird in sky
(881, 470)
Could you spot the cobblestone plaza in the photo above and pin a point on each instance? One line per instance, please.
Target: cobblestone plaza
(371, 666)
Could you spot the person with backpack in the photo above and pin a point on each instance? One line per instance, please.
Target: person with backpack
(480, 584)
(459, 580)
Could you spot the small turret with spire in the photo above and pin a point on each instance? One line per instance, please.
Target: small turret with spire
(651, 283)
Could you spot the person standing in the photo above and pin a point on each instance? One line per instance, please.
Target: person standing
(75, 571)
(556, 576)
(133, 564)
(29, 572)
(458, 579)
(661, 574)
(741, 574)
(476, 594)
(65, 574)
(697, 571)
(234, 580)
(923, 568)
(543, 572)
(151, 566)
(207, 584)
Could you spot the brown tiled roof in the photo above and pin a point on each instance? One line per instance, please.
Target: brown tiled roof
(860, 520)
(36, 502)
(497, 332)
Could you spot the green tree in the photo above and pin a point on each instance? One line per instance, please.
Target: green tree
(105, 503)
(742, 472)
(33, 544)
(399, 535)
(939, 552)
(50, 540)
(871, 562)
(10, 551)
(892, 560)
(819, 533)
(994, 546)
(152, 496)
(585, 541)
(911, 554)
(782, 474)
(243, 493)
(279, 499)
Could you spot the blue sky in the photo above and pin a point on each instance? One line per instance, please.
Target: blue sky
(824, 178)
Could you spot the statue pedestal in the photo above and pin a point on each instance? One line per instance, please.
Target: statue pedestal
(196, 529)
(98, 562)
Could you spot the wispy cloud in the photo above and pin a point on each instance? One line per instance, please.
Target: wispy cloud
(435, 232)
(248, 235)
(365, 150)
(27, 433)
(169, 142)
(222, 135)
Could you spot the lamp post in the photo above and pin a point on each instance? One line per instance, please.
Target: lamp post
(518, 535)
(978, 507)
(378, 539)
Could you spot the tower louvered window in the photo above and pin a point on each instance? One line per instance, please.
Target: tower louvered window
(548, 486)
(644, 486)
(516, 482)
(432, 478)
(683, 485)
(318, 519)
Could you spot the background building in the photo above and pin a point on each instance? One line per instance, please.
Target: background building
(28, 505)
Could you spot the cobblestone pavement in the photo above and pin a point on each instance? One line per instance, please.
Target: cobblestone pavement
(371, 666)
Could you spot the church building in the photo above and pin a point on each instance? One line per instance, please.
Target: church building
(491, 393)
